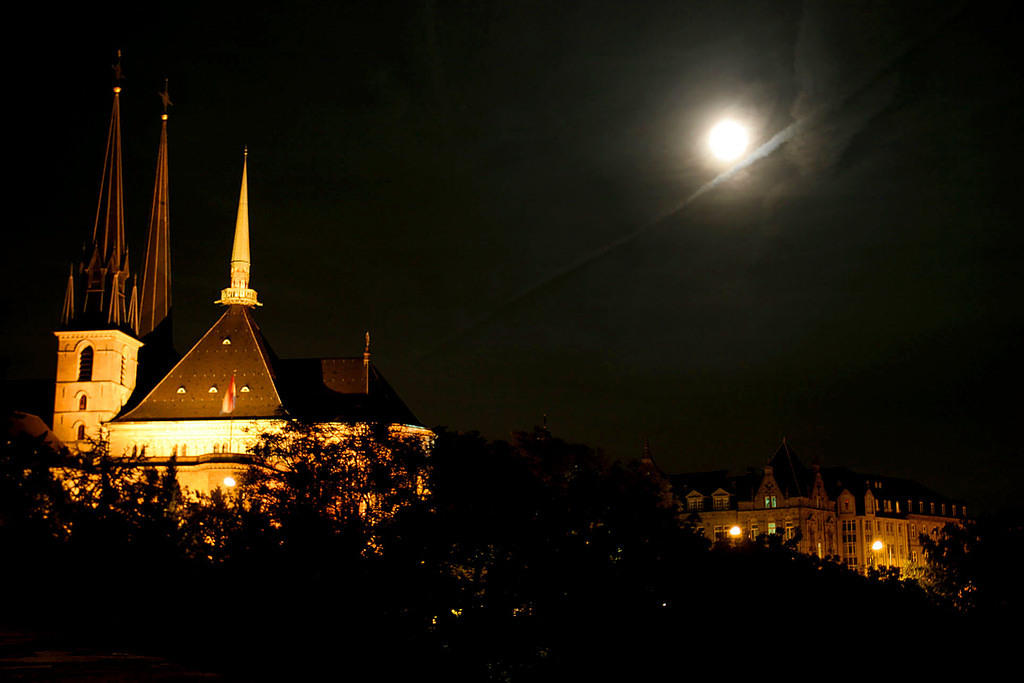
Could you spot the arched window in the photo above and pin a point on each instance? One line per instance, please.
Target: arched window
(81, 432)
(83, 402)
(85, 365)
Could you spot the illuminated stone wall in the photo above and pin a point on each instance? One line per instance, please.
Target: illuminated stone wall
(207, 452)
(115, 360)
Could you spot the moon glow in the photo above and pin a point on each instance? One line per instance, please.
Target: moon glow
(728, 140)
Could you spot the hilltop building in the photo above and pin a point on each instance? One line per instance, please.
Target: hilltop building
(860, 520)
(118, 377)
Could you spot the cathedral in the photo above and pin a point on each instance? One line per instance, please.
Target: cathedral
(119, 378)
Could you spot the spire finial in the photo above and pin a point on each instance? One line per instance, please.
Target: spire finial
(118, 72)
(239, 293)
(165, 99)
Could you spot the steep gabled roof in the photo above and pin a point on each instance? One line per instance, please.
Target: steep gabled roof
(790, 473)
(193, 389)
(340, 389)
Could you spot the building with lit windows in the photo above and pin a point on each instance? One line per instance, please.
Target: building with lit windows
(118, 377)
(860, 520)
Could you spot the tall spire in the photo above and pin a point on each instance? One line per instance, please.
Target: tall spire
(106, 267)
(239, 292)
(156, 271)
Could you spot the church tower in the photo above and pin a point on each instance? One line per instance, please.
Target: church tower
(97, 343)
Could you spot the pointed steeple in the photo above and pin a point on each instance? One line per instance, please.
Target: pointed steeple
(106, 268)
(646, 457)
(68, 314)
(133, 307)
(155, 302)
(239, 293)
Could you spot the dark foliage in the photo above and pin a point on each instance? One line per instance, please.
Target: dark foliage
(529, 560)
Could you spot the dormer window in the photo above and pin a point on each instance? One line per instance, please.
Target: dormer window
(212, 389)
(244, 389)
(226, 341)
(694, 502)
(181, 389)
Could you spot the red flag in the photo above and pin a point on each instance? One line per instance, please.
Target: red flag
(228, 404)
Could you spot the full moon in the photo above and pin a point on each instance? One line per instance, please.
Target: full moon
(728, 140)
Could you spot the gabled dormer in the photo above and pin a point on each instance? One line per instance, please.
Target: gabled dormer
(720, 499)
(768, 495)
(694, 501)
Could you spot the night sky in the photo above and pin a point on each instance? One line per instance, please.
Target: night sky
(438, 173)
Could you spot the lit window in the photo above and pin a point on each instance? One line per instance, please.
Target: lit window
(181, 390)
(721, 502)
(85, 365)
(774, 503)
(213, 389)
(226, 341)
(771, 527)
(244, 389)
(83, 402)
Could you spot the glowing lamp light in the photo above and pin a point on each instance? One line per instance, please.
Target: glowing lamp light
(229, 482)
(735, 531)
(728, 140)
(877, 545)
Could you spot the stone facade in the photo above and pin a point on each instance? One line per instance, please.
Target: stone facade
(860, 520)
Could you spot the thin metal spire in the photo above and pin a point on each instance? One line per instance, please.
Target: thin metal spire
(156, 271)
(366, 363)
